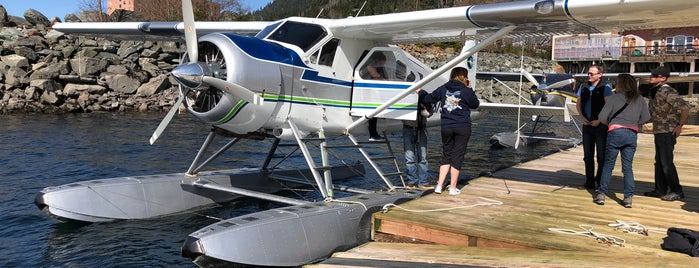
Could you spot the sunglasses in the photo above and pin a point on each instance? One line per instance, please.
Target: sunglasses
(592, 73)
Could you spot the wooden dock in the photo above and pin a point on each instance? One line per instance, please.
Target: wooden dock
(504, 220)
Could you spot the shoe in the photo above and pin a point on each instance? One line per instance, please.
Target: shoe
(438, 189)
(376, 138)
(454, 191)
(652, 194)
(410, 186)
(627, 202)
(599, 199)
(425, 187)
(672, 196)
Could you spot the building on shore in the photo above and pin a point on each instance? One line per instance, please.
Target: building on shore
(632, 51)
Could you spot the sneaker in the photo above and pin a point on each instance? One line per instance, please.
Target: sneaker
(672, 196)
(599, 199)
(627, 202)
(425, 187)
(438, 189)
(653, 193)
(454, 191)
(376, 138)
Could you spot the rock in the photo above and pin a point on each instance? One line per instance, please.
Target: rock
(46, 85)
(4, 22)
(87, 66)
(15, 77)
(122, 84)
(15, 61)
(74, 90)
(154, 86)
(49, 97)
(71, 18)
(129, 47)
(36, 18)
(117, 69)
(20, 22)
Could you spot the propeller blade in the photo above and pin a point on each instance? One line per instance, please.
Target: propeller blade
(529, 77)
(561, 83)
(190, 32)
(234, 89)
(166, 120)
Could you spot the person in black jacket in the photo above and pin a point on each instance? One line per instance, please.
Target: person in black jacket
(592, 98)
(456, 99)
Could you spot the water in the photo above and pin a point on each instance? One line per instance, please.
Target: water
(38, 150)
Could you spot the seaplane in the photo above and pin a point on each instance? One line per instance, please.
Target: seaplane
(299, 81)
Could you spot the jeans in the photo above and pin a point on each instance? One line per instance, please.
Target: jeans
(415, 148)
(665, 171)
(594, 139)
(619, 140)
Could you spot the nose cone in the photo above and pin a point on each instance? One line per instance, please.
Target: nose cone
(40, 200)
(189, 74)
(192, 248)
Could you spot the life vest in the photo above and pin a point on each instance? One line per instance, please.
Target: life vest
(597, 98)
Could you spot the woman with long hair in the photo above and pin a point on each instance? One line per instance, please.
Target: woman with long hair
(624, 113)
(456, 98)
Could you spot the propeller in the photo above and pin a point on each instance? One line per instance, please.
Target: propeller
(194, 74)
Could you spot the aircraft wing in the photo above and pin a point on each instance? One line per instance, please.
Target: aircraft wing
(158, 30)
(533, 18)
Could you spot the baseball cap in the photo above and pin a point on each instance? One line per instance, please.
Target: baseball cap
(660, 71)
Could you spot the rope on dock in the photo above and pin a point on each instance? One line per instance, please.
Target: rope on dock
(489, 202)
(603, 238)
(635, 227)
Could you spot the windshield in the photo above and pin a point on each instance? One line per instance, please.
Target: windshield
(303, 35)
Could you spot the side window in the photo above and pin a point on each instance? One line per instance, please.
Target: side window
(374, 68)
(327, 53)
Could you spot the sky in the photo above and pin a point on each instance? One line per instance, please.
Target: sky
(59, 8)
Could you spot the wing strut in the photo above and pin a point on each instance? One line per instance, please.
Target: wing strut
(436, 73)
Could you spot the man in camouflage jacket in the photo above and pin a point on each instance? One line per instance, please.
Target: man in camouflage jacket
(668, 113)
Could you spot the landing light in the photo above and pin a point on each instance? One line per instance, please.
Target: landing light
(544, 7)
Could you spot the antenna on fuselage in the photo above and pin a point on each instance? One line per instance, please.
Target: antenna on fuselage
(320, 12)
(360, 9)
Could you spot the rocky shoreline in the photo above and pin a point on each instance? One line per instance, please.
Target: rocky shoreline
(46, 71)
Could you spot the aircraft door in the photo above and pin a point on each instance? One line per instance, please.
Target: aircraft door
(382, 74)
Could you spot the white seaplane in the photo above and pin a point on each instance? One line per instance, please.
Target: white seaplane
(300, 80)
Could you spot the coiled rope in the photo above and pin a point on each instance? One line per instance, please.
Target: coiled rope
(635, 227)
(489, 202)
(602, 238)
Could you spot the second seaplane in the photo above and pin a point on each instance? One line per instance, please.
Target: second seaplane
(302, 80)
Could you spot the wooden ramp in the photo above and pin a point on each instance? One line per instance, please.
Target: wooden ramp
(471, 229)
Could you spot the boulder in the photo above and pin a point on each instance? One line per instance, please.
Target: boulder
(4, 22)
(122, 84)
(36, 18)
(46, 85)
(15, 61)
(74, 90)
(155, 85)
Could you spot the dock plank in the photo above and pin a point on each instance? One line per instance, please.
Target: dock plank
(538, 195)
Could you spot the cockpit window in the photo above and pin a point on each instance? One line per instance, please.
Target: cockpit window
(262, 34)
(303, 35)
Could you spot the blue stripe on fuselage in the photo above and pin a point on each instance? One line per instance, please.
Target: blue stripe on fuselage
(264, 50)
(312, 76)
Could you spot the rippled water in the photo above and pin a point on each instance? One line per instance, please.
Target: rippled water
(38, 151)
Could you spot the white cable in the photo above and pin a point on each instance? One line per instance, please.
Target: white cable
(490, 202)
